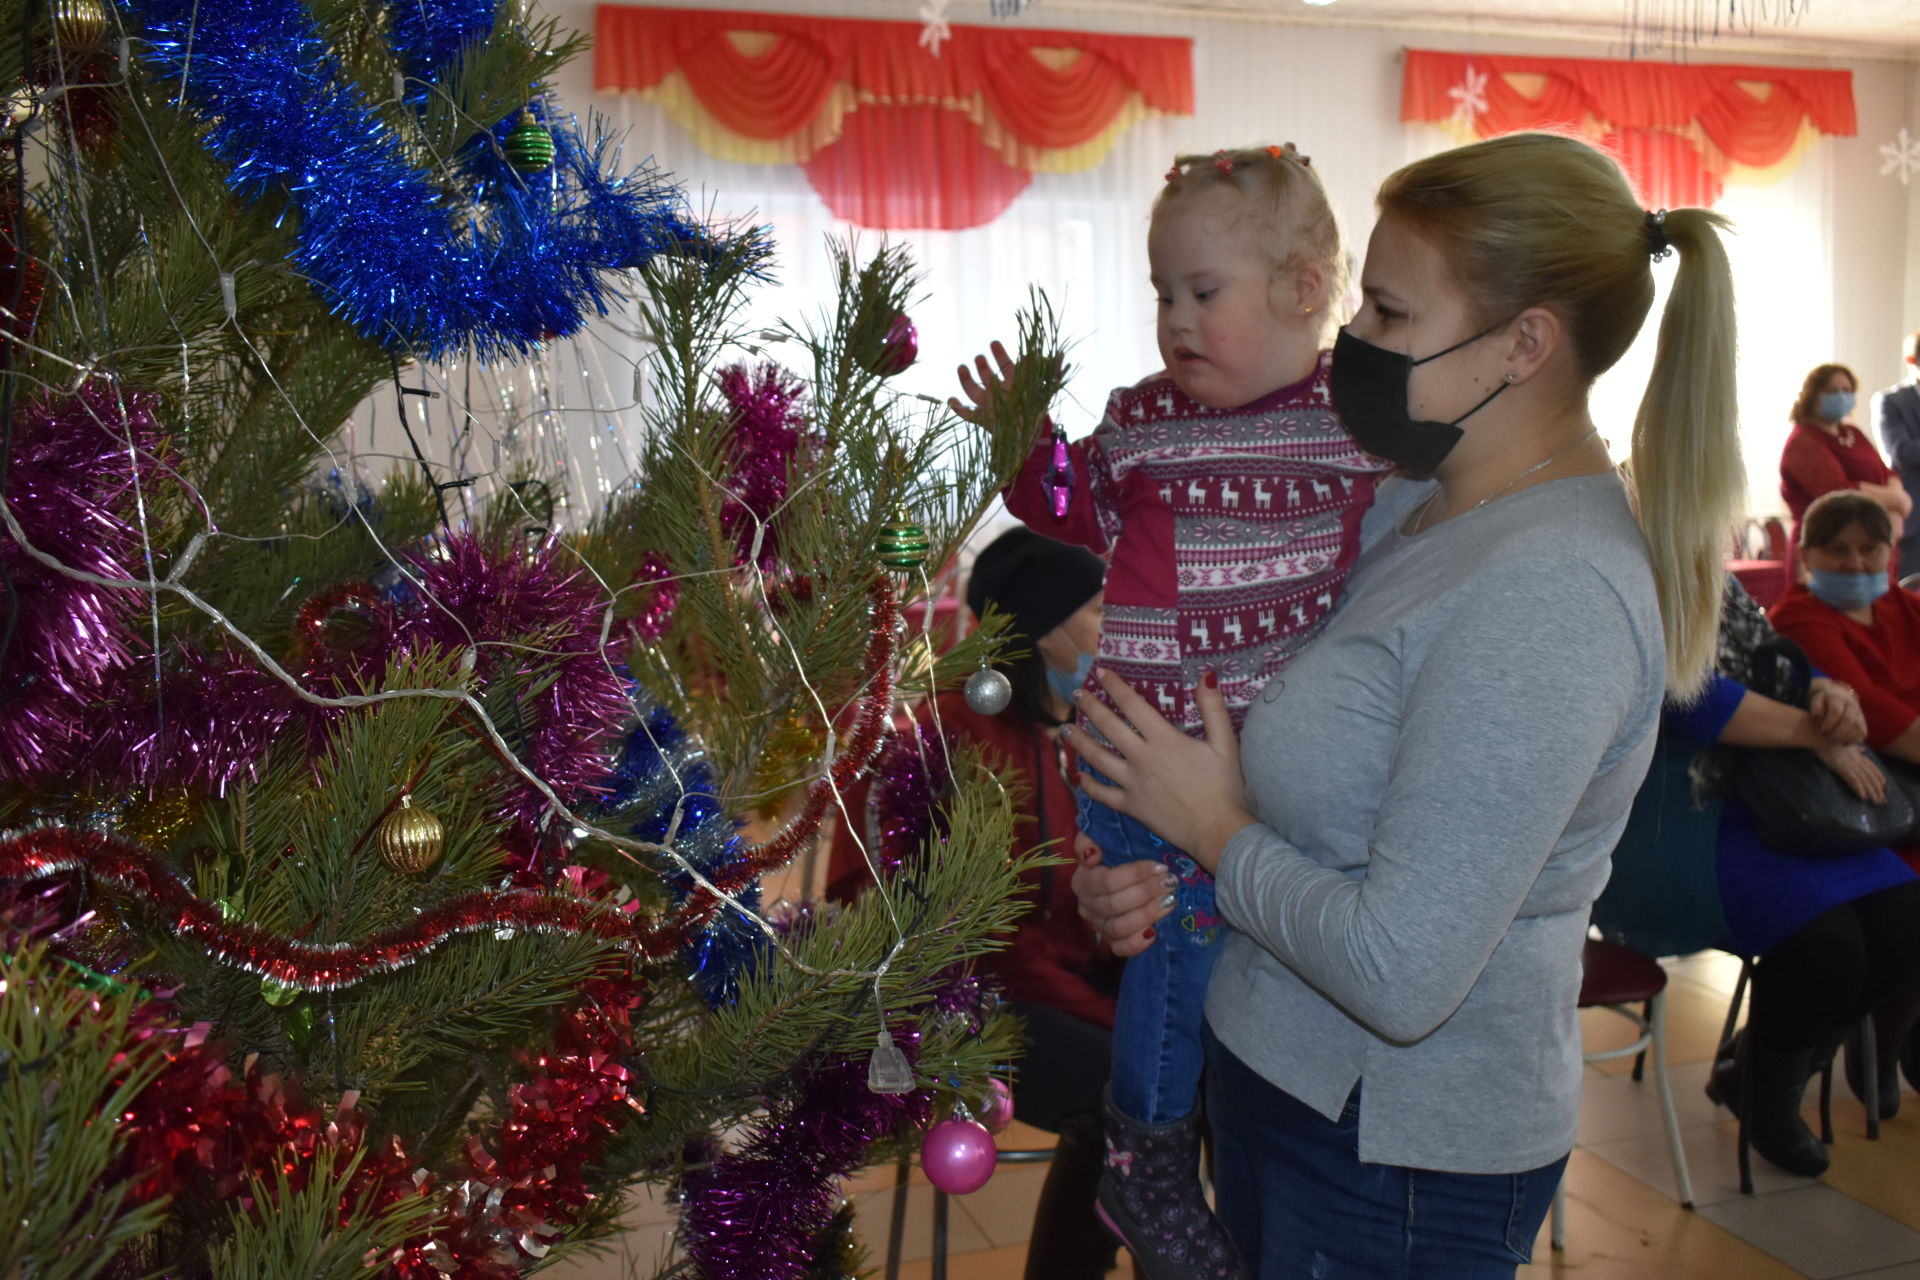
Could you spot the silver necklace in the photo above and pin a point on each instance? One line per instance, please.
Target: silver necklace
(1541, 465)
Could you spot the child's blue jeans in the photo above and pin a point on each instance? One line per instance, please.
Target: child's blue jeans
(1157, 1050)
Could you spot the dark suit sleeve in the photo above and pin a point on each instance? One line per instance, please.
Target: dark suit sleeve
(1896, 416)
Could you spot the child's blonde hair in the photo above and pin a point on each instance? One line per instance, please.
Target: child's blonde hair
(1536, 219)
(1293, 221)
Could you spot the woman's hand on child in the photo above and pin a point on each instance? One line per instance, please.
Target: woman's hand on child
(1122, 903)
(1187, 790)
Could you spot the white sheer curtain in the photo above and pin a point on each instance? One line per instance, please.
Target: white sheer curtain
(1081, 238)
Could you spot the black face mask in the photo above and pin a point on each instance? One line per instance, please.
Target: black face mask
(1369, 387)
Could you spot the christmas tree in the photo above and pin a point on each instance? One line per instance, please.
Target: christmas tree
(374, 898)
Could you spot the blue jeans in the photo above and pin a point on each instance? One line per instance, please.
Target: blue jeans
(1291, 1190)
(1156, 1026)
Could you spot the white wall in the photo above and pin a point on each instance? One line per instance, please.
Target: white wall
(1824, 273)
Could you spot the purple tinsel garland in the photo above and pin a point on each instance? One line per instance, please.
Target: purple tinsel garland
(768, 433)
(210, 722)
(910, 779)
(70, 484)
(753, 1214)
(509, 601)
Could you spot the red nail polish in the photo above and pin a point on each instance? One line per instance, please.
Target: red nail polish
(1212, 678)
(1150, 934)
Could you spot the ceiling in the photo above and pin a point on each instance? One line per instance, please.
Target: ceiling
(1856, 28)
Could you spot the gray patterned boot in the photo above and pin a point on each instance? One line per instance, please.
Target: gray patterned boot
(1150, 1198)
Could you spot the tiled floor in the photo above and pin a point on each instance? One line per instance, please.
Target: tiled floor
(1862, 1220)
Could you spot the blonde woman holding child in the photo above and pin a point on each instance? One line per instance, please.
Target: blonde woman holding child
(1229, 498)
(1409, 831)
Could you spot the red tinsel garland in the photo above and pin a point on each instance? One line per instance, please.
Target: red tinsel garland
(201, 1131)
(320, 966)
(520, 1192)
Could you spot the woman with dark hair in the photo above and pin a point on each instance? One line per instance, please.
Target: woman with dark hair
(1055, 973)
(1825, 452)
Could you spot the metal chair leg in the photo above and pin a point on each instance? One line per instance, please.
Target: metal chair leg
(939, 1235)
(897, 1226)
(1826, 1102)
(1640, 1058)
(1733, 1009)
(1657, 1026)
(1870, 1066)
(1746, 1101)
(1557, 1232)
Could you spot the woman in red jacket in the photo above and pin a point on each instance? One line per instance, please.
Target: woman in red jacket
(1854, 624)
(1826, 453)
(1858, 628)
(1055, 974)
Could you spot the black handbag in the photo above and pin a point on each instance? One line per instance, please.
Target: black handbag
(1800, 806)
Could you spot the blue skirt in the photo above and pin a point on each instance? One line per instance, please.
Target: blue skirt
(1767, 896)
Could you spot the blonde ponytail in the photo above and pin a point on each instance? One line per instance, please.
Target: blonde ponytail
(1542, 219)
(1686, 448)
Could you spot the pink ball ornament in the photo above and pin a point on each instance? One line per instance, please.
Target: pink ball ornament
(958, 1156)
(997, 1113)
(898, 350)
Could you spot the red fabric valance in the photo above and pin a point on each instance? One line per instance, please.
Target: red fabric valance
(1677, 129)
(975, 185)
(786, 88)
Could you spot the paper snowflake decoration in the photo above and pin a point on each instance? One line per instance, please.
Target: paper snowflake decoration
(1902, 157)
(1469, 97)
(935, 32)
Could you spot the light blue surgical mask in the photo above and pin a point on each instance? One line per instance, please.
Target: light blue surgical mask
(1835, 405)
(1067, 683)
(1847, 591)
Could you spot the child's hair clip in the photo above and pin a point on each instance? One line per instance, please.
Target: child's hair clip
(1223, 162)
(1173, 174)
(1287, 151)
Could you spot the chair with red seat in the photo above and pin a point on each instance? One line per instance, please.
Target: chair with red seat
(1617, 978)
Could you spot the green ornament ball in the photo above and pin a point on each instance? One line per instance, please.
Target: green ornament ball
(902, 544)
(529, 147)
(278, 994)
(297, 1022)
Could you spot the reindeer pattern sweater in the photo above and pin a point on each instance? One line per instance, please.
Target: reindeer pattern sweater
(1229, 532)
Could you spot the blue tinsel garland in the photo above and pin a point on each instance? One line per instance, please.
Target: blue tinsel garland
(524, 260)
(661, 770)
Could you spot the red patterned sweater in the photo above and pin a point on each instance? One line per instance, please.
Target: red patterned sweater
(1230, 532)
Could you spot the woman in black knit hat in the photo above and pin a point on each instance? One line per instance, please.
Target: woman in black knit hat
(1056, 975)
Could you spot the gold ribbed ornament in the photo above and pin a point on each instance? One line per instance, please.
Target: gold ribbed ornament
(80, 25)
(410, 839)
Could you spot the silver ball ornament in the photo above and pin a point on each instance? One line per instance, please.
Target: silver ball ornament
(989, 692)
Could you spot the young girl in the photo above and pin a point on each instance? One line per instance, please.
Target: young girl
(1230, 499)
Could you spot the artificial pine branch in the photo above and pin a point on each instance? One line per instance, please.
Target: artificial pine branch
(322, 1229)
(70, 1061)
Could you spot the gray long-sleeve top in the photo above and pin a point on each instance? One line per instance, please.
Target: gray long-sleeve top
(1438, 782)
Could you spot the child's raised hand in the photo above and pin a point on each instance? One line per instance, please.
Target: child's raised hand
(980, 392)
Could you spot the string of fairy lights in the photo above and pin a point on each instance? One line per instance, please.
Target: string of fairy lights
(507, 428)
